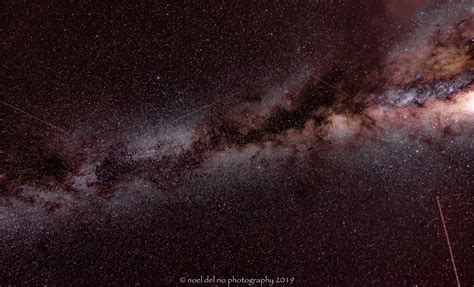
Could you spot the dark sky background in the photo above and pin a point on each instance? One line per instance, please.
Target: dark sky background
(94, 60)
(145, 142)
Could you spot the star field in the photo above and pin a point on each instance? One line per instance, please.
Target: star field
(143, 143)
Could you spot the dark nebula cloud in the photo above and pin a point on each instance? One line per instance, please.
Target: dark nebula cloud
(447, 53)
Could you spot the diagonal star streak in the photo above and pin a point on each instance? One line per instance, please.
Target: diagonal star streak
(35, 117)
(205, 107)
(232, 95)
(332, 86)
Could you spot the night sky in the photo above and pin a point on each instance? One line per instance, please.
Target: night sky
(324, 143)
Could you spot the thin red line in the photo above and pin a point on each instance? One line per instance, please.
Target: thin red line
(458, 284)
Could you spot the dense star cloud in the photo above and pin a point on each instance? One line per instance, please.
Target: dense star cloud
(139, 128)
